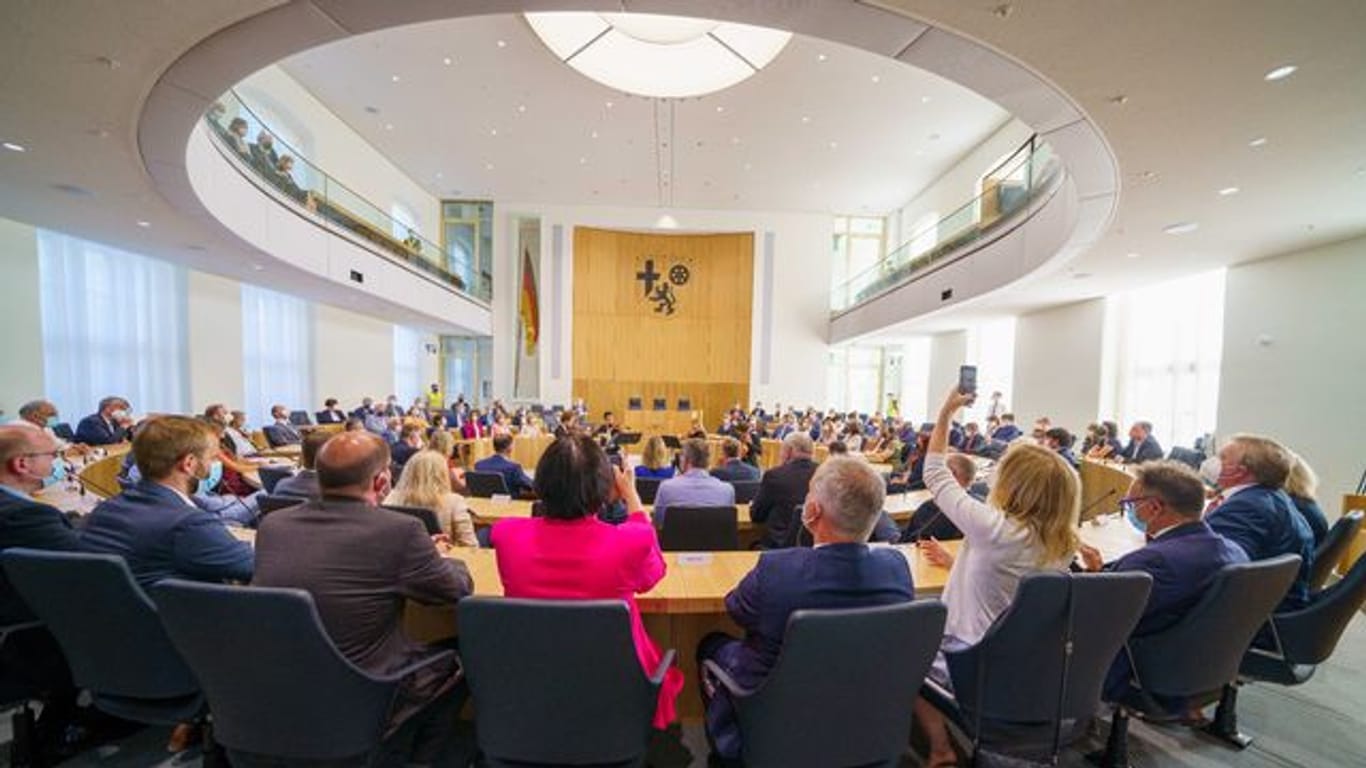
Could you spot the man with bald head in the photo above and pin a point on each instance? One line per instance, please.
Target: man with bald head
(780, 491)
(360, 563)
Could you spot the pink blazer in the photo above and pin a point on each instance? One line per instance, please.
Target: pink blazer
(587, 559)
(471, 430)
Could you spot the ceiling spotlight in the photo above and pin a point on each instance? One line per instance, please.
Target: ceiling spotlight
(372, 110)
(144, 224)
(1260, 141)
(440, 175)
(1080, 275)
(1003, 10)
(1181, 228)
(502, 43)
(924, 99)
(806, 119)
(447, 61)
(257, 267)
(1119, 100)
(1132, 255)
(821, 57)
(1226, 191)
(593, 135)
(11, 146)
(749, 166)
(609, 105)
(876, 78)
(720, 108)
(934, 137)
(735, 140)
(395, 78)
(834, 145)
(488, 166)
(1280, 73)
(583, 161)
(388, 126)
(493, 131)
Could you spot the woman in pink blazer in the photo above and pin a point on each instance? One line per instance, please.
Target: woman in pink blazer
(569, 554)
(473, 428)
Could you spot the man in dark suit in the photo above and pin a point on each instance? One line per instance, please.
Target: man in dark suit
(31, 658)
(304, 483)
(155, 525)
(1142, 445)
(840, 571)
(1007, 431)
(781, 490)
(361, 563)
(282, 432)
(109, 425)
(330, 414)
(500, 462)
(733, 469)
(928, 522)
(409, 443)
(1183, 555)
(1253, 511)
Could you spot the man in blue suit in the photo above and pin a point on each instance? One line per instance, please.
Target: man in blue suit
(108, 425)
(733, 469)
(282, 432)
(155, 525)
(500, 462)
(1253, 511)
(1142, 445)
(1183, 555)
(841, 571)
(1007, 431)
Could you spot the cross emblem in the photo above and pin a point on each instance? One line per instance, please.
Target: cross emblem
(648, 276)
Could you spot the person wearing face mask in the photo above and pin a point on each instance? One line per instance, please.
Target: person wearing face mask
(1254, 511)
(839, 571)
(361, 563)
(1183, 555)
(155, 525)
(42, 414)
(107, 426)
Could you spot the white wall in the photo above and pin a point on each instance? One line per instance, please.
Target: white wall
(354, 357)
(214, 310)
(948, 351)
(799, 307)
(1058, 364)
(1294, 363)
(21, 375)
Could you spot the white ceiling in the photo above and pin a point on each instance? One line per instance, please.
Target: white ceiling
(824, 127)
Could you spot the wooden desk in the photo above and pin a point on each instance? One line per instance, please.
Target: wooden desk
(527, 450)
(1350, 503)
(1103, 484)
(100, 477)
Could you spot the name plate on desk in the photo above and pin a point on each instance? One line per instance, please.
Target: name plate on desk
(694, 558)
(501, 498)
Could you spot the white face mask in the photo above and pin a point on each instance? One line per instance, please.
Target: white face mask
(1209, 470)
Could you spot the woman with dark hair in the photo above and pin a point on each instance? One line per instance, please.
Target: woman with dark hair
(569, 554)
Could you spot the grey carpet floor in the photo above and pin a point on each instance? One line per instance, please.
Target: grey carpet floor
(1321, 724)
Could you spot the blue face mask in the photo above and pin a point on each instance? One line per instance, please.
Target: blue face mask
(1131, 512)
(57, 475)
(207, 484)
(51, 422)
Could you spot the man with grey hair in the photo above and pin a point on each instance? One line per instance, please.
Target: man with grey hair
(840, 571)
(694, 486)
(781, 490)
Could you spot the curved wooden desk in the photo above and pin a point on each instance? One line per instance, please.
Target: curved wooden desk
(1103, 484)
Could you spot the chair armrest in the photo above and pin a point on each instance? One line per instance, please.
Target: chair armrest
(14, 629)
(657, 679)
(942, 699)
(394, 677)
(723, 677)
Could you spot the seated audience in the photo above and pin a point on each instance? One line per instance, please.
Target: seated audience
(282, 432)
(1007, 431)
(569, 554)
(1183, 554)
(1302, 485)
(887, 447)
(973, 439)
(42, 415)
(853, 436)
(331, 414)
(393, 430)
(1142, 445)
(304, 483)
(426, 483)
(1253, 511)
(237, 136)
(263, 153)
(443, 442)
(1095, 436)
(501, 463)
(751, 443)
(655, 460)
(1107, 445)
(694, 486)
(235, 470)
(109, 425)
(781, 490)
(840, 571)
(155, 525)
(928, 521)
(696, 431)
(236, 431)
(361, 564)
(1027, 525)
(473, 427)
(1060, 441)
(606, 432)
(409, 443)
(732, 469)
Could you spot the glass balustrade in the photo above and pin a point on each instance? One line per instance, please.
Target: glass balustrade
(1005, 190)
(279, 166)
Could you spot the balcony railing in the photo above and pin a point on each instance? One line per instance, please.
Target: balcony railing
(273, 163)
(1007, 189)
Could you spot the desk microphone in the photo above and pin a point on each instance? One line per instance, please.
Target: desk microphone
(1094, 504)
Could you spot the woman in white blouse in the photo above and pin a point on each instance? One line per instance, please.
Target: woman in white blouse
(1027, 525)
(426, 483)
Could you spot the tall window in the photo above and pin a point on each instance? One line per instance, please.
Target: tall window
(467, 368)
(990, 347)
(404, 220)
(853, 379)
(277, 352)
(114, 323)
(407, 364)
(1168, 343)
(858, 247)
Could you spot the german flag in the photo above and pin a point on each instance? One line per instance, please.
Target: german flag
(529, 307)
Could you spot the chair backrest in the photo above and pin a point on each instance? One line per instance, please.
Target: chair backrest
(276, 684)
(1332, 549)
(745, 490)
(265, 503)
(1014, 677)
(484, 485)
(108, 629)
(271, 476)
(672, 442)
(1186, 456)
(628, 438)
(700, 529)
(426, 516)
(299, 418)
(647, 488)
(1201, 653)
(64, 431)
(555, 682)
(1309, 635)
(835, 697)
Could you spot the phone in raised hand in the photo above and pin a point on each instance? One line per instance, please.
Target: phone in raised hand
(967, 380)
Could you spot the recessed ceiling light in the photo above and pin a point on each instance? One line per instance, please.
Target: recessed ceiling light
(806, 119)
(388, 126)
(593, 134)
(720, 108)
(1132, 255)
(1080, 275)
(395, 78)
(144, 224)
(1260, 141)
(821, 57)
(72, 189)
(11, 146)
(502, 43)
(488, 166)
(934, 137)
(609, 105)
(1181, 228)
(666, 222)
(1280, 73)
(440, 175)
(372, 110)
(834, 145)
(258, 267)
(493, 131)
(1119, 100)
(876, 78)
(446, 61)
(749, 166)
(583, 161)
(521, 107)
(1226, 191)
(924, 99)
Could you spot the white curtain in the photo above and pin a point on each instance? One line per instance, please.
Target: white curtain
(114, 323)
(407, 364)
(277, 352)
(1168, 349)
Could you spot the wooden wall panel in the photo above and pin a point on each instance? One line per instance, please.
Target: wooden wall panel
(624, 348)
